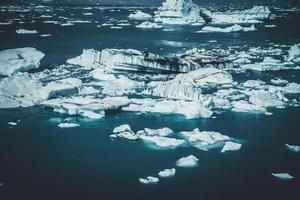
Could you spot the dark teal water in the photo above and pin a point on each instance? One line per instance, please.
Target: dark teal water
(38, 160)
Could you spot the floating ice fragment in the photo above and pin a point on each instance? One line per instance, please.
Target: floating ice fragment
(293, 148)
(231, 146)
(189, 161)
(294, 54)
(167, 173)
(282, 176)
(149, 180)
(234, 28)
(139, 15)
(12, 123)
(19, 60)
(68, 125)
(25, 31)
(148, 25)
(162, 142)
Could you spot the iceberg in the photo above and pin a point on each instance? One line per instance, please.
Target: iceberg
(148, 25)
(205, 140)
(25, 31)
(265, 99)
(282, 176)
(162, 142)
(160, 132)
(294, 54)
(124, 131)
(167, 173)
(21, 90)
(12, 123)
(139, 15)
(293, 148)
(134, 60)
(256, 14)
(180, 12)
(188, 86)
(189, 161)
(243, 106)
(231, 146)
(190, 109)
(68, 125)
(234, 28)
(19, 60)
(149, 180)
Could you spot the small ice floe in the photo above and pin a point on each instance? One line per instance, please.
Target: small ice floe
(167, 173)
(162, 142)
(67, 24)
(234, 28)
(68, 125)
(293, 148)
(294, 54)
(80, 21)
(51, 22)
(45, 35)
(19, 60)
(243, 106)
(279, 81)
(139, 15)
(116, 27)
(189, 161)
(282, 176)
(160, 132)
(231, 146)
(149, 180)
(87, 14)
(148, 25)
(124, 24)
(124, 131)
(265, 99)
(206, 140)
(270, 25)
(12, 123)
(25, 31)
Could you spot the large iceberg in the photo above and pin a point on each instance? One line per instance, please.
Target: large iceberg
(188, 86)
(19, 60)
(134, 60)
(179, 12)
(255, 14)
(294, 53)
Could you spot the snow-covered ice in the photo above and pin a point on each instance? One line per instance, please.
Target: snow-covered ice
(282, 176)
(167, 173)
(19, 60)
(148, 25)
(25, 31)
(294, 53)
(149, 180)
(189, 161)
(68, 125)
(294, 148)
(139, 15)
(234, 28)
(162, 142)
(231, 146)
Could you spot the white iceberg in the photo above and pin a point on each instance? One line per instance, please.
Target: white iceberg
(231, 146)
(265, 99)
(294, 54)
(234, 28)
(293, 148)
(25, 31)
(149, 180)
(282, 176)
(256, 14)
(19, 60)
(160, 132)
(162, 142)
(148, 25)
(188, 86)
(68, 125)
(179, 12)
(190, 109)
(167, 173)
(189, 161)
(139, 15)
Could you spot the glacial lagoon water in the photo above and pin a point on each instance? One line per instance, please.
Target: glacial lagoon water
(39, 160)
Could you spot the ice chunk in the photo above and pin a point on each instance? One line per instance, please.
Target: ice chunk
(294, 54)
(12, 123)
(242, 106)
(279, 81)
(234, 28)
(149, 180)
(189, 161)
(122, 128)
(179, 12)
(188, 86)
(148, 25)
(282, 176)
(231, 146)
(265, 99)
(139, 15)
(161, 132)
(25, 31)
(19, 60)
(167, 173)
(21, 90)
(68, 125)
(293, 148)
(255, 14)
(124, 131)
(205, 140)
(162, 142)
(88, 58)
(190, 110)
(63, 87)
